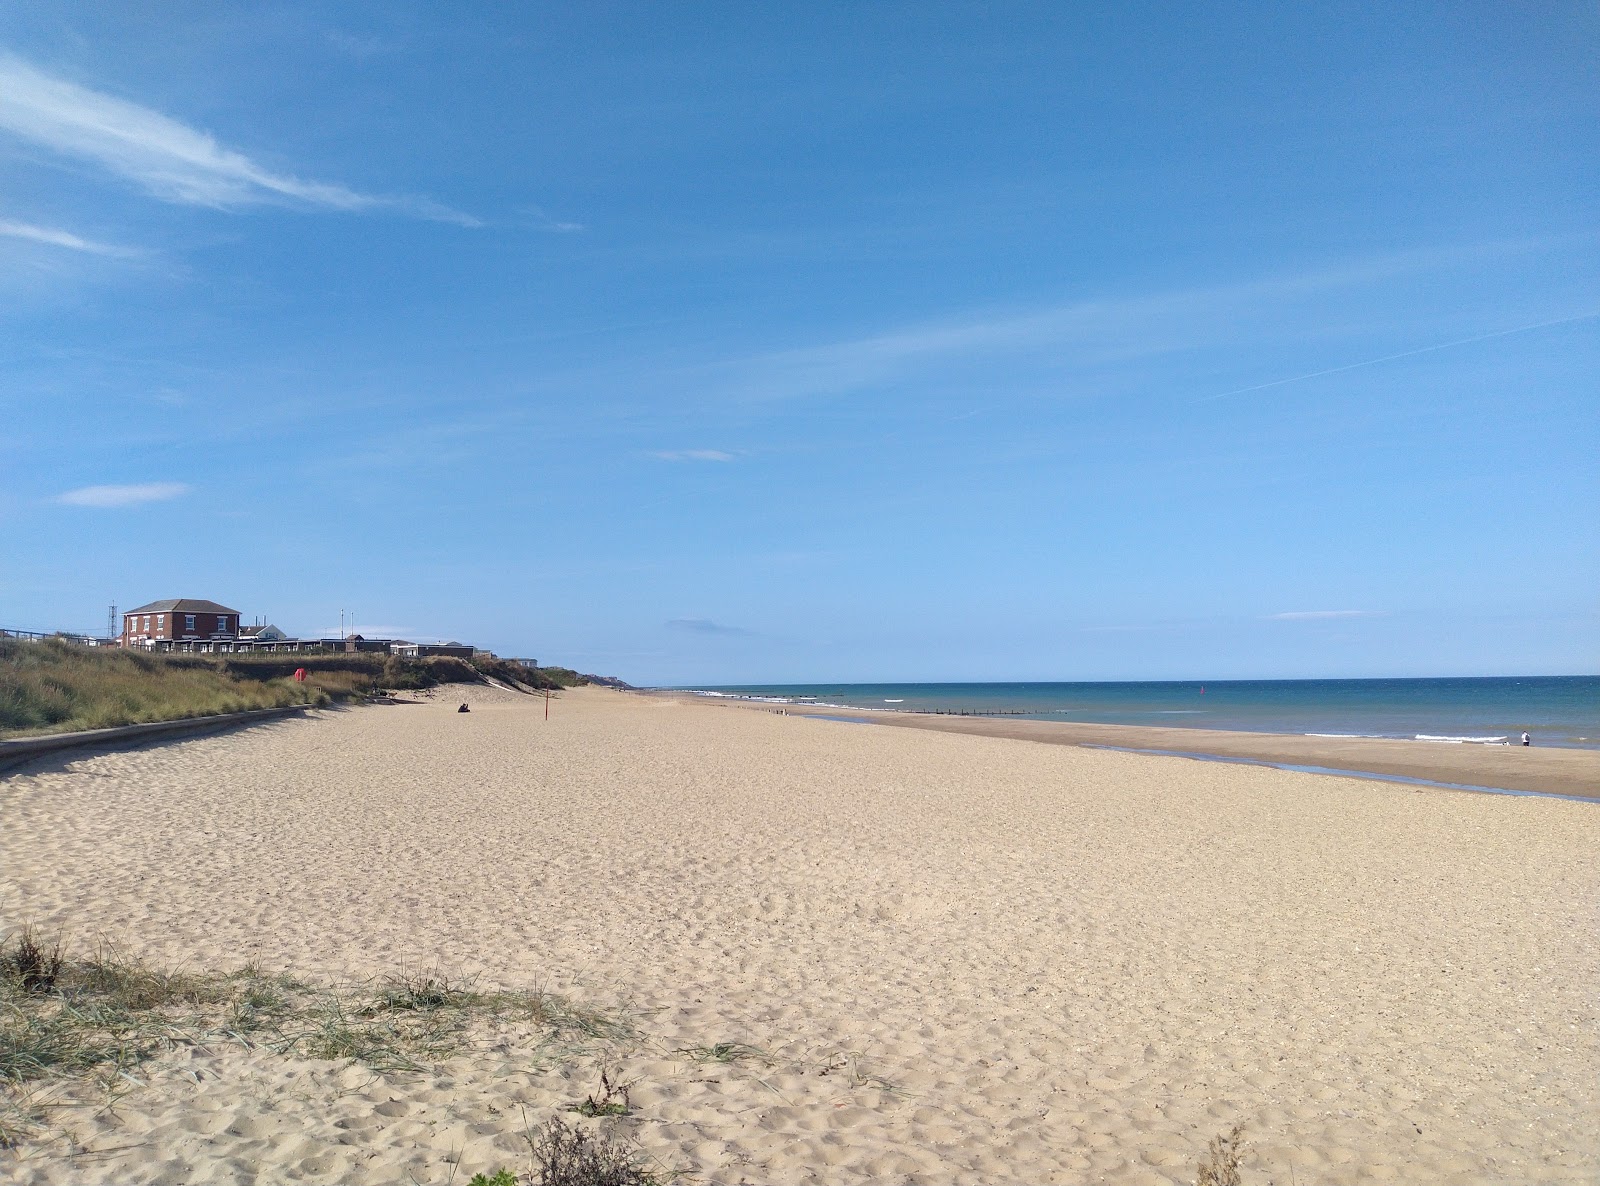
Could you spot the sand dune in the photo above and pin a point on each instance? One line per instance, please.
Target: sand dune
(964, 958)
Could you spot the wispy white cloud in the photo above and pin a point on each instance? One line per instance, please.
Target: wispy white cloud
(845, 366)
(1096, 336)
(169, 159)
(1083, 334)
(544, 221)
(1309, 615)
(692, 455)
(123, 496)
(59, 238)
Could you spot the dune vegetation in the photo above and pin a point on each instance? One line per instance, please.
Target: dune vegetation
(392, 673)
(58, 686)
(94, 1018)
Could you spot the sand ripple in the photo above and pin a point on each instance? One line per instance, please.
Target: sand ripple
(954, 959)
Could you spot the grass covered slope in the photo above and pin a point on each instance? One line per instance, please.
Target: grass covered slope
(59, 687)
(394, 673)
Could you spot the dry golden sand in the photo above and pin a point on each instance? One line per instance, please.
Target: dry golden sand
(1070, 966)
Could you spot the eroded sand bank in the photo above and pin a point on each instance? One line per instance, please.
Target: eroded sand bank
(969, 958)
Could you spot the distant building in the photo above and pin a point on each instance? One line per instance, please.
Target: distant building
(177, 620)
(355, 642)
(187, 624)
(424, 650)
(531, 664)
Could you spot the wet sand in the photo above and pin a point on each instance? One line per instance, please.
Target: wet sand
(1517, 768)
(963, 958)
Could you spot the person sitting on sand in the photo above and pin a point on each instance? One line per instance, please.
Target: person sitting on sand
(463, 708)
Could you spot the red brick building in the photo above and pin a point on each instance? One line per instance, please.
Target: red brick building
(179, 619)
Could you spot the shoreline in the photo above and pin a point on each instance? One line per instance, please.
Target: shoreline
(849, 953)
(1572, 773)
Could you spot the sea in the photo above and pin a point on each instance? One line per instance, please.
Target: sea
(1553, 710)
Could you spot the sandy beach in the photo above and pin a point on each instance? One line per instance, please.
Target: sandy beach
(938, 958)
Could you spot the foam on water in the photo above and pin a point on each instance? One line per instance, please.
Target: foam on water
(1557, 710)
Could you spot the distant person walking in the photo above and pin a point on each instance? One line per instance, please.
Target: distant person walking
(1526, 740)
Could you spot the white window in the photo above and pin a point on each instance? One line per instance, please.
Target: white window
(161, 622)
(146, 625)
(188, 621)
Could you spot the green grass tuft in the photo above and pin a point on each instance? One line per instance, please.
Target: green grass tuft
(610, 1100)
(66, 1019)
(502, 1177)
(724, 1052)
(111, 1011)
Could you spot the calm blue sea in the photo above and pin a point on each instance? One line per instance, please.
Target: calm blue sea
(1556, 710)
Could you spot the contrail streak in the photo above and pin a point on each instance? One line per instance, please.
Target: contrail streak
(1372, 362)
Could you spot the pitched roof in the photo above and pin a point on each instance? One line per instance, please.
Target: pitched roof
(185, 605)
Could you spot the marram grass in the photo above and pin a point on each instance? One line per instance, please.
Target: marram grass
(96, 1017)
(56, 686)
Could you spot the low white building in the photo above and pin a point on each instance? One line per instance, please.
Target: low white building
(261, 634)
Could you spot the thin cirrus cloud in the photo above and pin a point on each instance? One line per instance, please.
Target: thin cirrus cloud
(1371, 362)
(1087, 332)
(59, 238)
(170, 160)
(122, 496)
(692, 455)
(1315, 615)
(1085, 336)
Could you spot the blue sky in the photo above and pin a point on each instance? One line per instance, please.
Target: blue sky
(727, 342)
